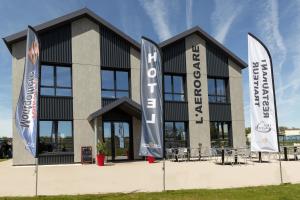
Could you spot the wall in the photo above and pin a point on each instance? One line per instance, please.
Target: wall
(86, 81)
(237, 106)
(199, 132)
(135, 96)
(20, 155)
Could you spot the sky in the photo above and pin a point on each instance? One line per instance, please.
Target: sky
(275, 22)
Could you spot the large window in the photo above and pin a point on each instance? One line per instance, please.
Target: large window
(175, 134)
(114, 84)
(217, 90)
(174, 88)
(56, 81)
(220, 134)
(55, 136)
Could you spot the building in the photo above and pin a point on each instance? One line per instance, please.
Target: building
(90, 90)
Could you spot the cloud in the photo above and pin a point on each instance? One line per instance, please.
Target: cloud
(223, 16)
(285, 55)
(158, 13)
(268, 25)
(189, 13)
(131, 24)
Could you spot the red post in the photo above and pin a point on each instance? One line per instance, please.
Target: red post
(150, 159)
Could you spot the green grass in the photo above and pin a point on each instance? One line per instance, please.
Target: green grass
(282, 192)
(2, 159)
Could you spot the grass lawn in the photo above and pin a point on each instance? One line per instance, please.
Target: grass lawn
(282, 192)
(2, 159)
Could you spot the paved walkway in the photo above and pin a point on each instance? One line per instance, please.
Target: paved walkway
(140, 176)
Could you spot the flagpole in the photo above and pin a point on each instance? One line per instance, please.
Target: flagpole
(275, 105)
(36, 175)
(276, 117)
(164, 175)
(38, 121)
(163, 121)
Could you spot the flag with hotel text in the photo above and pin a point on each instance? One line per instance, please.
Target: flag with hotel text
(151, 100)
(263, 114)
(26, 111)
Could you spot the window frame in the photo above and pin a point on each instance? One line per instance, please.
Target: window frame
(56, 135)
(216, 95)
(222, 138)
(172, 93)
(174, 131)
(55, 87)
(115, 90)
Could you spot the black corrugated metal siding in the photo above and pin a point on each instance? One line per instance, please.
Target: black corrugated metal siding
(217, 61)
(220, 112)
(115, 51)
(56, 45)
(174, 58)
(176, 111)
(57, 158)
(56, 108)
(106, 101)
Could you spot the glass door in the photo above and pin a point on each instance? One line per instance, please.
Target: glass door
(107, 135)
(117, 138)
(121, 140)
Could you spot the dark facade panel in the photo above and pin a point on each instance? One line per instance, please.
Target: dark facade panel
(176, 111)
(217, 61)
(106, 101)
(114, 50)
(174, 57)
(57, 158)
(220, 112)
(116, 115)
(56, 45)
(56, 108)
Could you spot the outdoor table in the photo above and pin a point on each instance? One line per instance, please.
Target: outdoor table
(235, 156)
(233, 150)
(285, 153)
(223, 156)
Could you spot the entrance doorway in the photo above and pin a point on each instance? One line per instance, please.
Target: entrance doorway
(118, 139)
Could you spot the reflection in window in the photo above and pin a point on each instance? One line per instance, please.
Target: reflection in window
(217, 90)
(220, 135)
(55, 136)
(114, 84)
(174, 88)
(56, 81)
(175, 134)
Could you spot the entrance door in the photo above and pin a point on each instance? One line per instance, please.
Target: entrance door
(118, 140)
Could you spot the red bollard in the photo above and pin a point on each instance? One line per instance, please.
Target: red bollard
(150, 159)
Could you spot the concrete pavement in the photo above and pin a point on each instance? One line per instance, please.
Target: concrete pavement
(139, 177)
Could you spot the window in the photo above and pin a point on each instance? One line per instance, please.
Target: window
(175, 134)
(56, 81)
(217, 90)
(174, 88)
(114, 84)
(55, 136)
(220, 134)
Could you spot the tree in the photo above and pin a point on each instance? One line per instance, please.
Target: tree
(247, 130)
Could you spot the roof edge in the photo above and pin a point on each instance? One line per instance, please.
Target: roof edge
(72, 16)
(205, 36)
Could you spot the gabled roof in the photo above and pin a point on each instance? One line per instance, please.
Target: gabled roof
(206, 37)
(85, 12)
(125, 104)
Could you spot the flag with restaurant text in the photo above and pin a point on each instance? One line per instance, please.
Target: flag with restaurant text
(263, 114)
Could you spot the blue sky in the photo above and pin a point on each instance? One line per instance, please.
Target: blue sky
(276, 23)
